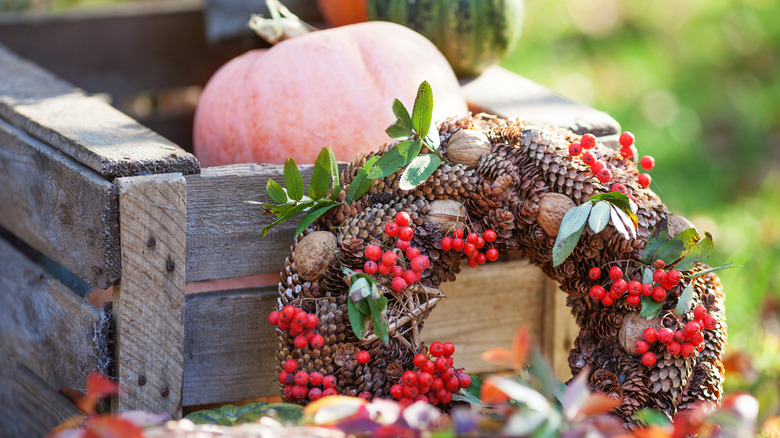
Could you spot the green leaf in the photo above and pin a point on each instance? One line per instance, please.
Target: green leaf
(361, 184)
(678, 246)
(360, 288)
(395, 130)
(651, 308)
(320, 176)
(469, 397)
(628, 224)
(432, 141)
(656, 239)
(701, 252)
(378, 309)
(334, 169)
(419, 170)
(599, 216)
(293, 180)
(618, 199)
(393, 160)
(275, 192)
(422, 113)
(569, 233)
(400, 112)
(356, 319)
(542, 370)
(685, 301)
(314, 213)
(292, 212)
(647, 276)
(717, 268)
(651, 417)
(229, 415)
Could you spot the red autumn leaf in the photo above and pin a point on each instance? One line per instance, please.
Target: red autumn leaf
(490, 394)
(651, 432)
(97, 387)
(112, 427)
(598, 403)
(498, 356)
(520, 346)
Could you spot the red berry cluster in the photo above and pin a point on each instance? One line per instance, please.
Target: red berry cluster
(299, 384)
(299, 324)
(434, 380)
(663, 281)
(386, 263)
(627, 150)
(683, 342)
(597, 167)
(471, 246)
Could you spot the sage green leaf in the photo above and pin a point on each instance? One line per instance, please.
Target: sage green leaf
(599, 216)
(618, 223)
(289, 214)
(314, 213)
(293, 180)
(701, 252)
(356, 319)
(362, 306)
(378, 310)
(422, 113)
(471, 394)
(320, 176)
(400, 111)
(717, 268)
(628, 224)
(569, 233)
(361, 183)
(647, 276)
(650, 308)
(359, 289)
(275, 192)
(657, 238)
(678, 247)
(334, 169)
(685, 301)
(432, 140)
(393, 160)
(395, 130)
(419, 170)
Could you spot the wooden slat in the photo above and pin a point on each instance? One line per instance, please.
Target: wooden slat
(83, 127)
(503, 93)
(59, 207)
(559, 330)
(230, 348)
(149, 304)
(43, 325)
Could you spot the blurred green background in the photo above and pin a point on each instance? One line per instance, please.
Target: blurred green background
(698, 83)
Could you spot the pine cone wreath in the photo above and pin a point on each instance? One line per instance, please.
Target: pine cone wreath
(497, 191)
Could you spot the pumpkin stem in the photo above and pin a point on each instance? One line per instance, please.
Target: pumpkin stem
(282, 25)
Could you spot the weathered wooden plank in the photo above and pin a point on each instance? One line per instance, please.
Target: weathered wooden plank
(230, 348)
(44, 326)
(149, 303)
(31, 408)
(503, 93)
(223, 232)
(59, 207)
(559, 330)
(83, 127)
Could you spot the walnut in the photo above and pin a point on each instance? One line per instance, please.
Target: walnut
(552, 207)
(631, 331)
(467, 146)
(314, 253)
(448, 214)
(677, 224)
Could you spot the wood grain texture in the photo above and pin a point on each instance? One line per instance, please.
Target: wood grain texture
(44, 327)
(59, 207)
(223, 232)
(149, 303)
(83, 127)
(230, 348)
(559, 330)
(503, 93)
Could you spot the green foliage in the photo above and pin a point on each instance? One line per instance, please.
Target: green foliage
(230, 415)
(366, 302)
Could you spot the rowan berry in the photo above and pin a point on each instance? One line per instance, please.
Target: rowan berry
(575, 149)
(429, 367)
(492, 254)
(679, 336)
(490, 235)
(432, 399)
(650, 335)
(419, 360)
(597, 293)
(665, 335)
(288, 392)
(615, 272)
(405, 402)
(480, 243)
(647, 289)
(290, 379)
(692, 328)
(425, 380)
(673, 277)
(588, 141)
(446, 243)
(604, 175)
(458, 233)
(370, 267)
(420, 263)
(300, 392)
(397, 271)
(403, 218)
(312, 321)
(457, 244)
(300, 342)
(697, 339)
(686, 349)
(469, 249)
(406, 233)
(659, 276)
(597, 166)
(389, 258)
(617, 187)
(464, 380)
(588, 158)
(594, 273)
(620, 286)
(373, 252)
(409, 378)
(410, 277)
(387, 269)
(436, 349)
(710, 322)
(283, 377)
(699, 312)
(273, 317)
(327, 392)
(329, 381)
(633, 300)
(396, 391)
(363, 356)
(607, 300)
(648, 359)
(315, 378)
(481, 258)
(315, 394)
(437, 383)
(300, 318)
(627, 152)
(391, 229)
(472, 238)
(452, 384)
(398, 284)
(626, 139)
(403, 245)
(634, 287)
(673, 348)
(647, 162)
(301, 378)
(448, 349)
(411, 253)
(659, 294)
(641, 346)
(644, 180)
(287, 314)
(291, 365)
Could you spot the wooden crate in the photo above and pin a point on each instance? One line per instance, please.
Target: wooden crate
(89, 191)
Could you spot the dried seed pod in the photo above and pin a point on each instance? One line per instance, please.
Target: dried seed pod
(552, 208)
(467, 146)
(317, 248)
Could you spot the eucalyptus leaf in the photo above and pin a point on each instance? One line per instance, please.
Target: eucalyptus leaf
(314, 213)
(275, 192)
(678, 247)
(378, 309)
(419, 170)
(569, 233)
(393, 160)
(650, 308)
(356, 319)
(628, 223)
(618, 223)
(334, 169)
(293, 180)
(701, 252)
(359, 289)
(361, 183)
(292, 212)
(422, 113)
(685, 301)
(647, 276)
(400, 111)
(320, 176)
(657, 238)
(599, 216)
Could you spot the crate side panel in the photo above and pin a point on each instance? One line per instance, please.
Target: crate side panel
(44, 327)
(83, 127)
(59, 207)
